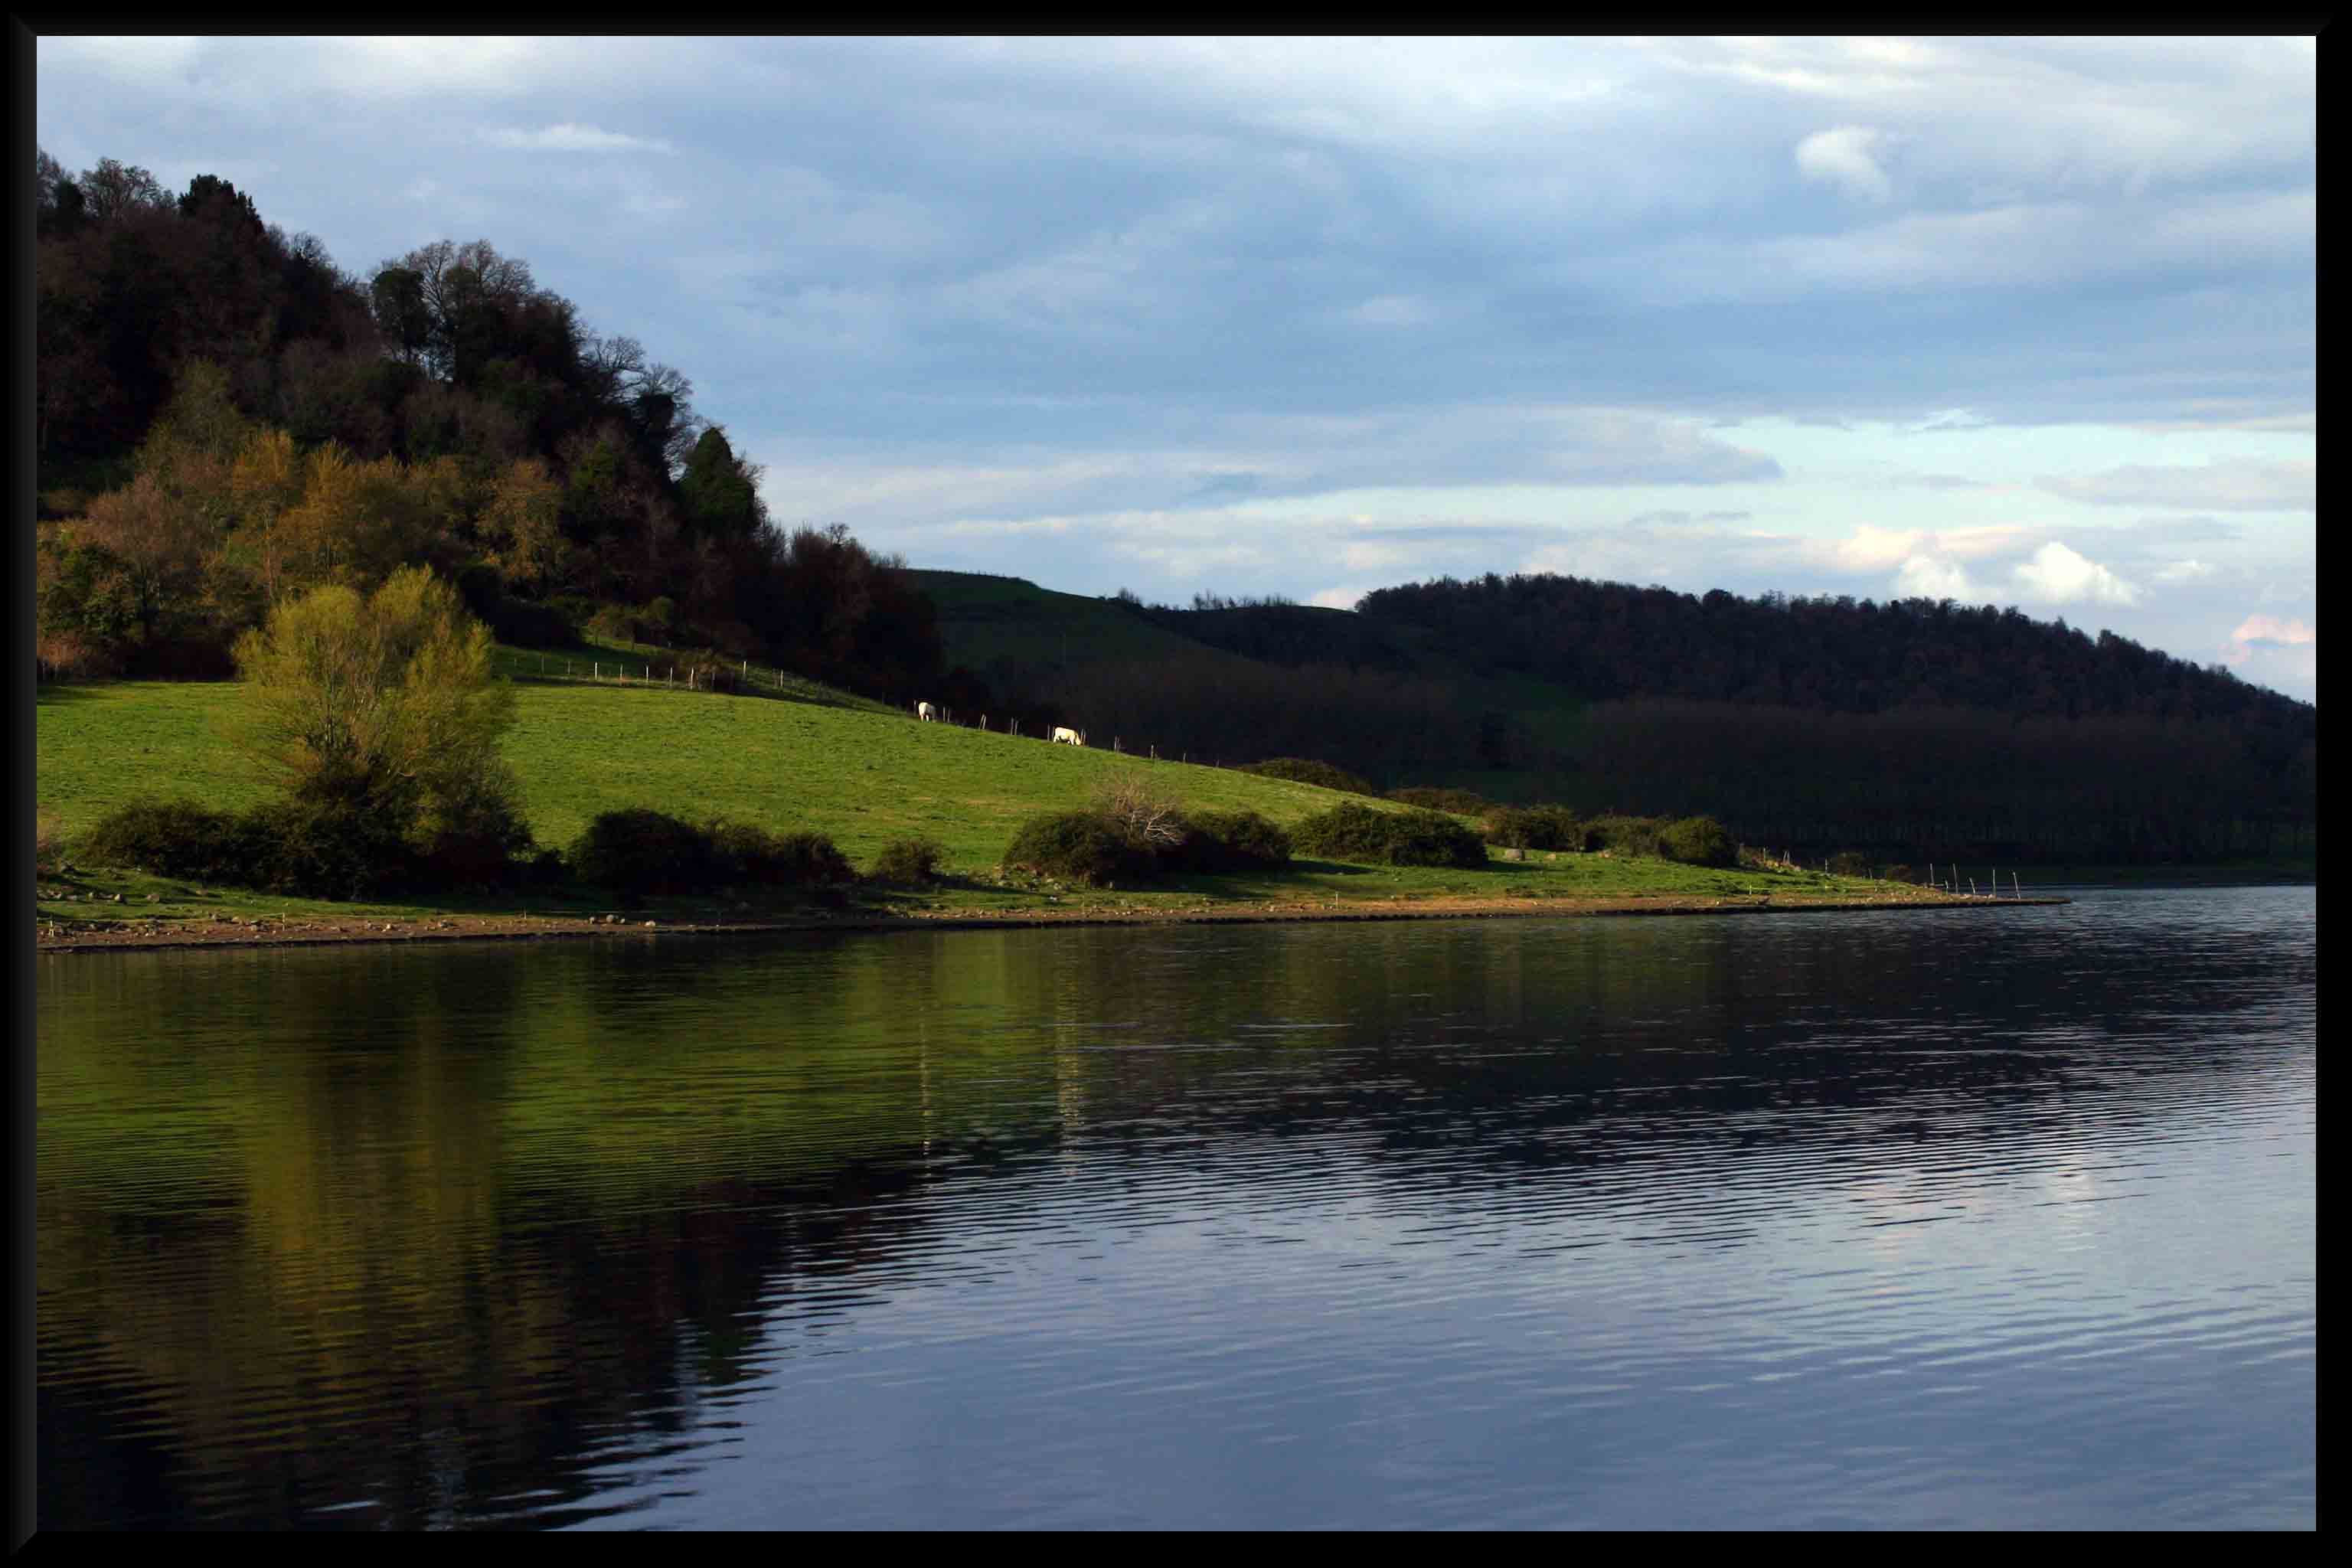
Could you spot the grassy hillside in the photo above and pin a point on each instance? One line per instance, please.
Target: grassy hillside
(995, 623)
(1013, 633)
(861, 773)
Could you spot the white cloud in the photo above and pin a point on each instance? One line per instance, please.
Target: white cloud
(1975, 543)
(2260, 628)
(2057, 575)
(1874, 549)
(569, 137)
(1924, 577)
(1842, 156)
(2184, 572)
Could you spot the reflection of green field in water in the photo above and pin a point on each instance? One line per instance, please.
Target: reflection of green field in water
(417, 1180)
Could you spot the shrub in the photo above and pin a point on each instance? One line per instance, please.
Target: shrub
(472, 832)
(908, 860)
(640, 851)
(1850, 863)
(1698, 841)
(1307, 769)
(1234, 841)
(1621, 835)
(612, 623)
(1389, 837)
(1432, 838)
(1348, 832)
(1469, 803)
(179, 838)
(327, 849)
(1147, 814)
(1077, 846)
(1535, 828)
(741, 853)
(812, 860)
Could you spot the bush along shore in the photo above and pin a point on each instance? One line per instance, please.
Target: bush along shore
(190, 876)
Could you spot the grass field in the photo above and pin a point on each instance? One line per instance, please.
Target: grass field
(861, 774)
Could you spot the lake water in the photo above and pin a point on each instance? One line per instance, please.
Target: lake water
(1957, 1218)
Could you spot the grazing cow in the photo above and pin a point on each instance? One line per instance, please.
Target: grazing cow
(1063, 736)
(926, 712)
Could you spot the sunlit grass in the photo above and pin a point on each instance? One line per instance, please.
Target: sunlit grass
(856, 770)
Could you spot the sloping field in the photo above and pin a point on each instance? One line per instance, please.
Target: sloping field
(863, 776)
(1009, 630)
(989, 622)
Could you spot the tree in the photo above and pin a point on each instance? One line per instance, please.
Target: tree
(383, 712)
(720, 490)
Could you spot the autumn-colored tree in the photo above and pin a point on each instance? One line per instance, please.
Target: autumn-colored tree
(385, 709)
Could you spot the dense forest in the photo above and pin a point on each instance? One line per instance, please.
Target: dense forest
(225, 417)
(1913, 729)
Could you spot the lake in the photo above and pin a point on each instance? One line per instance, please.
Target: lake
(1962, 1218)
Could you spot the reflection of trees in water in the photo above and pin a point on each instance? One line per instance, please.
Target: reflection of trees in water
(524, 1199)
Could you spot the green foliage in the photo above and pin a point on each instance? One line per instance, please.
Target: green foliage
(1373, 838)
(177, 838)
(1348, 832)
(1850, 863)
(1534, 828)
(1084, 846)
(720, 492)
(1233, 841)
(328, 848)
(1702, 841)
(1307, 769)
(1467, 803)
(811, 859)
(316, 848)
(1622, 835)
(1432, 838)
(909, 861)
(386, 705)
(638, 851)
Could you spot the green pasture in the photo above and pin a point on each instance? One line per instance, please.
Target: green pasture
(863, 774)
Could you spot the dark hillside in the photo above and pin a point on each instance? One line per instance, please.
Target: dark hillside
(1613, 640)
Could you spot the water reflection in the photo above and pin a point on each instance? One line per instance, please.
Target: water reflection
(1477, 1223)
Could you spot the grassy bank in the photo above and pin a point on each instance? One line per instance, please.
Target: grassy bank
(862, 774)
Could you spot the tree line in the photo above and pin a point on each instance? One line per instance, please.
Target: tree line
(226, 418)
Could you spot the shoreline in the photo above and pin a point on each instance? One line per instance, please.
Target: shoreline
(541, 928)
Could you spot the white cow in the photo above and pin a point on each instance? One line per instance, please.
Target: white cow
(1069, 737)
(926, 712)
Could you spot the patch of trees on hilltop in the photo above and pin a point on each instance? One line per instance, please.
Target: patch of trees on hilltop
(1607, 640)
(1274, 630)
(1914, 728)
(226, 418)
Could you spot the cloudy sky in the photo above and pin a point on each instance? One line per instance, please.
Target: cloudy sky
(2022, 322)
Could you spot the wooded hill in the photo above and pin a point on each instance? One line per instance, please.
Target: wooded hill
(1912, 730)
(225, 417)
